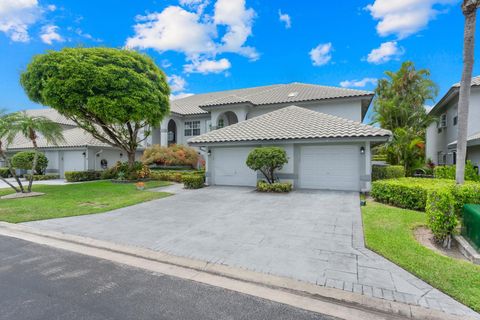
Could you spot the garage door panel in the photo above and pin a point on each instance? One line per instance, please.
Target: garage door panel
(329, 167)
(230, 168)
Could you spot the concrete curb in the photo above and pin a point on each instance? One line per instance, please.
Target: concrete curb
(335, 302)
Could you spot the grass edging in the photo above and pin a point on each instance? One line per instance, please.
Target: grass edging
(389, 232)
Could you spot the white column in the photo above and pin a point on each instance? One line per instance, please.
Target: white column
(208, 178)
(368, 165)
(164, 132)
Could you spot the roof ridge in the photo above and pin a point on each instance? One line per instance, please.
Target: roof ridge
(332, 87)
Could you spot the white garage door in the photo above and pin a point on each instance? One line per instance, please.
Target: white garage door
(72, 161)
(329, 167)
(229, 167)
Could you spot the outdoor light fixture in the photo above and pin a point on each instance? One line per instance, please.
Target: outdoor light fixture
(84, 153)
(362, 150)
(121, 154)
(209, 152)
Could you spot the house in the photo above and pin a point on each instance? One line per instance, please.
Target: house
(319, 127)
(441, 142)
(79, 152)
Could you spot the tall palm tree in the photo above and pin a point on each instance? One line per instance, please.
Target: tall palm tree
(469, 8)
(31, 127)
(5, 138)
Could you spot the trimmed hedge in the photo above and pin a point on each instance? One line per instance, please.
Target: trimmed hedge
(5, 173)
(193, 181)
(77, 176)
(174, 175)
(279, 187)
(387, 172)
(412, 193)
(42, 177)
(441, 217)
(449, 172)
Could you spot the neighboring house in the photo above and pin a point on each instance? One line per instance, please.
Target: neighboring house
(441, 139)
(79, 152)
(319, 127)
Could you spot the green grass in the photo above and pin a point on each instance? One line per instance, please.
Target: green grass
(75, 199)
(389, 232)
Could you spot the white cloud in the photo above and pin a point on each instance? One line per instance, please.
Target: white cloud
(51, 7)
(197, 5)
(177, 83)
(180, 95)
(239, 21)
(207, 66)
(16, 16)
(405, 17)
(173, 29)
(49, 34)
(358, 83)
(285, 18)
(386, 52)
(321, 54)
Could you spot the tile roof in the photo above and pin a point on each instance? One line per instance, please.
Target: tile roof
(451, 93)
(51, 114)
(75, 137)
(475, 82)
(290, 123)
(280, 93)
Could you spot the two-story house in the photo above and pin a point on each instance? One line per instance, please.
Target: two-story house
(442, 135)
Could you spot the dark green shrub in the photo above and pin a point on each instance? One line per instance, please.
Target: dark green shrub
(449, 172)
(77, 176)
(42, 177)
(441, 217)
(5, 173)
(193, 181)
(24, 160)
(279, 187)
(175, 175)
(267, 160)
(387, 172)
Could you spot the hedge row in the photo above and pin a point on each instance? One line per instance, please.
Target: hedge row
(77, 176)
(193, 181)
(279, 187)
(5, 173)
(380, 172)
(412, 193)
(42, 177)
(449, 172)
(175, 176)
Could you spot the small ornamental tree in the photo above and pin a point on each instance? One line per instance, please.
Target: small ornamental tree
(267, 160)
(114, 94)
(24, 160)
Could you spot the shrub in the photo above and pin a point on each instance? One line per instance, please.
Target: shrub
(77, 176)
(193, 181)
(123, 171)
(175, 176)
(449, 172)
(42, 177)
(5, 173)
(174, 155)
(24, 160)
(267, 160)
(441, 217)
(387, 172)
(279, 187)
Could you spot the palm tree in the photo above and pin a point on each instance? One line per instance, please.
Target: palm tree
(469, 8)
(30, 127)
(5, 138)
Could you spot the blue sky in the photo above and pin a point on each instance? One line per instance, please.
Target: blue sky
(210, 45)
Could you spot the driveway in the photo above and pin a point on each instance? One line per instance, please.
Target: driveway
(313, 236)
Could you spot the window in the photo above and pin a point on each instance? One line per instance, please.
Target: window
(221, 123)
(455, 120)
(443, 121)
(454, 156)
(192, 128)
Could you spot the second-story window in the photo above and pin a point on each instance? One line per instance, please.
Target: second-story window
(455, 120)
(192, 128)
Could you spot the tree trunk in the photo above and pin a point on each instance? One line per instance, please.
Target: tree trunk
(34, 165)
(12, 172)
(131, 158)
(465, 85)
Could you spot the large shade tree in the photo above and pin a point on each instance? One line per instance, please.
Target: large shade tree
(469, 8)
(116, 95)
(399, 106)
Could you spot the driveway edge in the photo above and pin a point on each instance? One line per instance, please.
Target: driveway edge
(338, 303)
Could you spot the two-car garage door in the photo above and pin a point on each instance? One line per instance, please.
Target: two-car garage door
(334, 167)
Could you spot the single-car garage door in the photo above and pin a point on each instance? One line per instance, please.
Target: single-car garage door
(329, 167)
(229, 167)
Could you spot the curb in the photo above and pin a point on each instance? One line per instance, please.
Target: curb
(237, 278)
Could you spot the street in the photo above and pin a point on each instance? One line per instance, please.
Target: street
(43, 283)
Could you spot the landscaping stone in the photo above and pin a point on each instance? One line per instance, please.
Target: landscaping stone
(19, 195)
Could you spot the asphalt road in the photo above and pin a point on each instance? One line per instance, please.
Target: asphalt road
(43, 283)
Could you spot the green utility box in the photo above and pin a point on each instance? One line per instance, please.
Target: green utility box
(471, 224)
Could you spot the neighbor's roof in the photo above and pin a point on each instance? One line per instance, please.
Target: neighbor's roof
(279, 93)
(452, 92)
(290, 123)
(51, 114)
(75, 137)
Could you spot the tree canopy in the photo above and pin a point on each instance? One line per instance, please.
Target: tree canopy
(114, 94)
(267, 160)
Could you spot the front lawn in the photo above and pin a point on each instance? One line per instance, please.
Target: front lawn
(75, 199)
(389, 232)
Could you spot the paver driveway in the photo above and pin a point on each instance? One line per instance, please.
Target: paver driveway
(313, 236)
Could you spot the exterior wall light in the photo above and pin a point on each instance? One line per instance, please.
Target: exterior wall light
(362, 150)
(209, 152)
